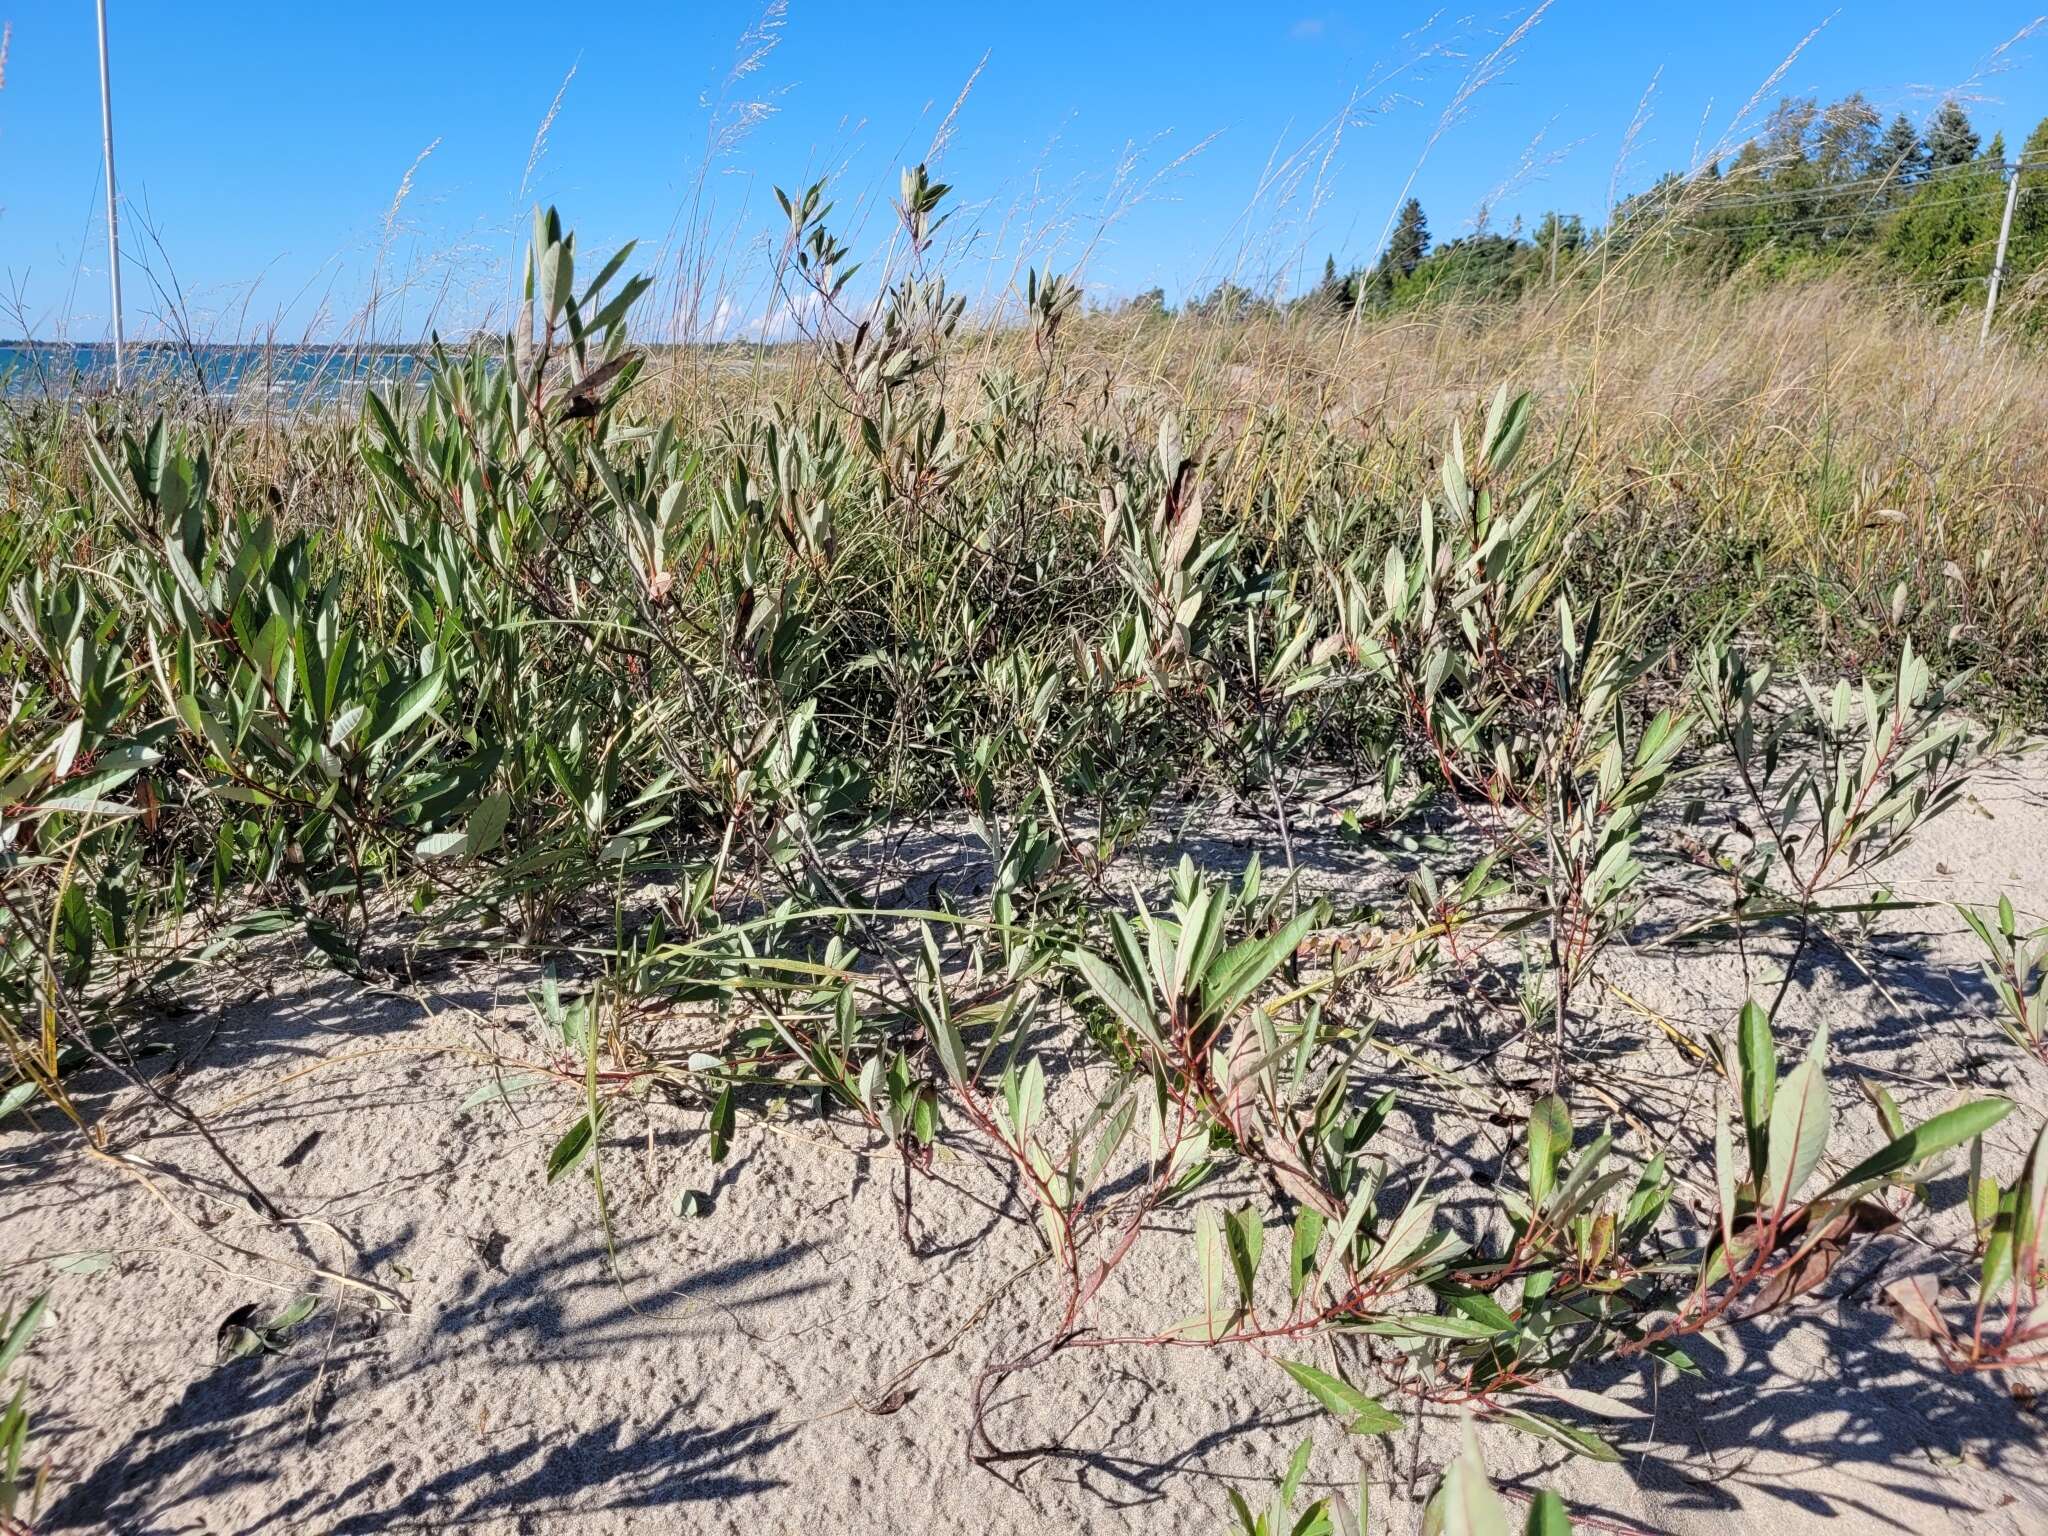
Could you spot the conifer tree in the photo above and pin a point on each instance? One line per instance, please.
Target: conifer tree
(2030, 213)
(1410, 242)
(1900, 154)
(1951, 141)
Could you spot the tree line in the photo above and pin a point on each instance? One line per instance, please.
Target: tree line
(1819, 188)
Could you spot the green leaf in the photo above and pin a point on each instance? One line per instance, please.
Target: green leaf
(1209, 1264)
(345, 724)
(402, 710)
(1467, 1503)
(296, 1313)
(1550, 1137)
(1347, 1229)
(1247, 1240)
(1581, 1441)
(1950, 1128)
(1801, 1117)
(570, 1149)
(1308, 1233)
(1433, 1325)
(1406, 1237)
(23, 1329)
(1756, 1053)
(721, 1124)
(485, 828)
(1483, 1309)
(1246, 967)
(1361, 1414)
(88, 805)
(1297, 1469)
(90, 1262)
(1106, 984)
(947, 1045)
(2030, 1205)
(1112, 1136)
(1887, 1108)
(557, 279)
(1724, 1170)
(1547, 1516)
(500, 1088)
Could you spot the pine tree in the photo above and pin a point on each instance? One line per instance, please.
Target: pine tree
(1900, 154)
(1147, 305)
(2030, 213)
(2029, 251)
(1335, 292)
(1561, 231)
(1940, 240)
(1951, 141)
(1410, 242)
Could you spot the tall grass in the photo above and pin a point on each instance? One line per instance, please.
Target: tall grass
(1843, 462)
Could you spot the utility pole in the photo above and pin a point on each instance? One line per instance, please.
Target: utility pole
(2012, 196)
(113, 222)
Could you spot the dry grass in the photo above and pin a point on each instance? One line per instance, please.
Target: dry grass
(1848, 458)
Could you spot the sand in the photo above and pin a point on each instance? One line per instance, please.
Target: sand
(780, 1361)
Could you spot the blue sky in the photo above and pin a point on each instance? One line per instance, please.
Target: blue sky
(261, 146)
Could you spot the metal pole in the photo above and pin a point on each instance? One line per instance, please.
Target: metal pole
(113, 220)
(2012, 196)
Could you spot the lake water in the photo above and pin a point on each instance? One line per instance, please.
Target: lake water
(285, 377)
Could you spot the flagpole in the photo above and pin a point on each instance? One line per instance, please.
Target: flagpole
(113, 220)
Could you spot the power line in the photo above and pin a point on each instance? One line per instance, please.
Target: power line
(1846, 215)
(1881, 182)
(1876, 183)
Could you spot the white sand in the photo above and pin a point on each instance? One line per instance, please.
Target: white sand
(719, 1384)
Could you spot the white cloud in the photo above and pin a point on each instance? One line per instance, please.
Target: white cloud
(784, 321)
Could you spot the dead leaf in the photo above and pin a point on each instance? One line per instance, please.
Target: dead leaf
(1915, 1302)
(1816, 1255)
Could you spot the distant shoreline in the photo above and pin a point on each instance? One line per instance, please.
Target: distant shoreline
(394, 348)
(419, 348)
